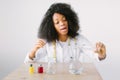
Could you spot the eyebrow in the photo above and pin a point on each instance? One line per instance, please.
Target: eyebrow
(62, 18)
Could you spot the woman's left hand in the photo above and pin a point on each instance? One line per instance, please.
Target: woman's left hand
(101, 50)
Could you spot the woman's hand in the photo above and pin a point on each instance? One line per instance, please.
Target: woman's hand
(39, 44)
(101, 50)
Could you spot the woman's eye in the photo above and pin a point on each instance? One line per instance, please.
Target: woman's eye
(57, 22)
(64, 19)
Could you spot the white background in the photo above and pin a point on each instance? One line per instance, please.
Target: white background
(20, 19)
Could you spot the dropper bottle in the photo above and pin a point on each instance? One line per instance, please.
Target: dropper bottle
(40, 69)
(31, 69)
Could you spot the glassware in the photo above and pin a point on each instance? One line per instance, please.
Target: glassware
(51, 67)
(31, 69)
(40, 68)
(75, 66)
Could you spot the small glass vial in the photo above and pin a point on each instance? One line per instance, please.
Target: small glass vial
(40, 69)
(75, 66)
(31, 69)
(51, 67)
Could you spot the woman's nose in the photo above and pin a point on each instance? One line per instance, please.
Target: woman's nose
(61, 23)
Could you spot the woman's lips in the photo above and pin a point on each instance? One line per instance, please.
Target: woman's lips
(63, 29)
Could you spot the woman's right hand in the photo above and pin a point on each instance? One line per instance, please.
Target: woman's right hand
(39, 44)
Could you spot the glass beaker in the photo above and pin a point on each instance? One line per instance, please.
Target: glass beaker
(51, 67)
(75, 66)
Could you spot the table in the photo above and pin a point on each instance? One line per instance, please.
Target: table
(22, 73)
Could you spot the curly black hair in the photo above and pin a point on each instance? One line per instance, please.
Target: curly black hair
(47, 30)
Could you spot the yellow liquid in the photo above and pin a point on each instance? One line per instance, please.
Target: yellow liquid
(31, 70)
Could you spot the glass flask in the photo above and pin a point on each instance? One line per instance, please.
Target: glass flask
(75, 66)
(51, 67)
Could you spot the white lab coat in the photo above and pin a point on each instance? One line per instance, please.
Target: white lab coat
(64, 51)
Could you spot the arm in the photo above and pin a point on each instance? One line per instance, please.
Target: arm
(98, 52)
(39, 44)
(31, 56)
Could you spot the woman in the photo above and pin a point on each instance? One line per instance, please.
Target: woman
(59, 37)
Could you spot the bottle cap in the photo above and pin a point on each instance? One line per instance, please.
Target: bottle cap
(40, 64)
(31, 65)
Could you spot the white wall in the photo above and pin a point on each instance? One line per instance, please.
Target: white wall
(20, 19)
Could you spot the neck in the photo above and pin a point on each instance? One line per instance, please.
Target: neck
(63, 38)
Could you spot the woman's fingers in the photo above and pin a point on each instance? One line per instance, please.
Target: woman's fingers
(101, 50)
(39, 44)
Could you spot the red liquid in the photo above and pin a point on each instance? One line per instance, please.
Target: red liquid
(40, 69)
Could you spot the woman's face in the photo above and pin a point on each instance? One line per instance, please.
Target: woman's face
(60, 24)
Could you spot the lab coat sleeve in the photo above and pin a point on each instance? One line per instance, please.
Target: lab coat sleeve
(89, 52)
(40, 55)
(88, 48)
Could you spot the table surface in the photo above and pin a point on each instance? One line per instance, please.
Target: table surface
(22, 73)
